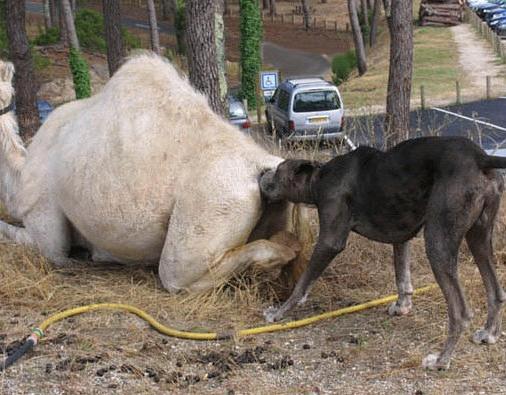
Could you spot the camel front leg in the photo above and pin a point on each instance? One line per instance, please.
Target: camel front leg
(262, 255)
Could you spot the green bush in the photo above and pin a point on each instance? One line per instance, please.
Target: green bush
(342, 66)
(250, 48)
(40, 62)
(91, 35)
(90, 30)
(130, 41)
(80, 74)
(48, 37)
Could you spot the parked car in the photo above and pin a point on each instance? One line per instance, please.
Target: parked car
(237, 114)
(306, 109)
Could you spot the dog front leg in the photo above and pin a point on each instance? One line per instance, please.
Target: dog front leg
(334, 231)
(403, 280)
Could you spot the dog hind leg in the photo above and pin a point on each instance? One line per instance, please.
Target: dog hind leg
(479, 240)
(403, 280)
(442, 251)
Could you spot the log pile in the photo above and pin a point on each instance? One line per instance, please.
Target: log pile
(441, 12)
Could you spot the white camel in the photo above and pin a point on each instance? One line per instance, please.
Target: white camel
(142, 172)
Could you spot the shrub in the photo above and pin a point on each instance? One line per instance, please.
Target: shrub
(80, 74)
(342, 66)
(90, 30)
(91, 35)
(48, 37)
(40, 62)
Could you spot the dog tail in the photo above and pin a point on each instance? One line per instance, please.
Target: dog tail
(492, 162)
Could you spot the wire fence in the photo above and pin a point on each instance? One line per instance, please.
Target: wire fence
(497, 42)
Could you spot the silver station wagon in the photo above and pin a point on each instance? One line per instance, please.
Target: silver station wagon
(306, 109)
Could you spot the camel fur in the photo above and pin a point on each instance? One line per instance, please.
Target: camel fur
(143, 172)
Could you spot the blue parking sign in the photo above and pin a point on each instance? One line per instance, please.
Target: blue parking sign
(268, 80)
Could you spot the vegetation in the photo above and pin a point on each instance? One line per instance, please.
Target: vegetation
(80, 74)
(90, 32)
(435, 66)
(342, 66)
(48, 36)
(180, 26)
(250, 48)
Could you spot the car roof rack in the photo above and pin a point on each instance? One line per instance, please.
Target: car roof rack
(295, 81)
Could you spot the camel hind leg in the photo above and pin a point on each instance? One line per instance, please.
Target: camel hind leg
(202, 250)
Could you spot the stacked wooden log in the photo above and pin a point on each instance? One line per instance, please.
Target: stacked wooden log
(441, 12)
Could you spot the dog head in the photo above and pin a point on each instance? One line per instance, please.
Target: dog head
(291, 181)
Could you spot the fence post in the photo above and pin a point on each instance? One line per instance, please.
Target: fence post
(283, 18)
(245, 104)
(422, 96)
(293, 19)
(488, 87)
(335, 25)
(314, 22)
(457, 89)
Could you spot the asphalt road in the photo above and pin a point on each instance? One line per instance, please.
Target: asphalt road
(489, 131)
(288, 61)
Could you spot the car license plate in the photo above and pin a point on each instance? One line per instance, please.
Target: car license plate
(318, 120)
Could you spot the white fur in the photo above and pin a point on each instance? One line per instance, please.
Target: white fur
(144, 172)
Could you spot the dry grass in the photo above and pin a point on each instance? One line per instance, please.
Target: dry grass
(380, 354)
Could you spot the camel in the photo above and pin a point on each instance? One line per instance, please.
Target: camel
(143, 172)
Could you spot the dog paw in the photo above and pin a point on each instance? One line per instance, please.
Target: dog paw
(396, 309)
(270, 314)
(303, 299)
(482, 336)
(432, 362)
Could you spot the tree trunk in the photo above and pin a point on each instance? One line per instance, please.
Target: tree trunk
(24, 82)
(201, 51)
(266, 4)
(365, 14)
(155, 37)
(273, 9)
(69, 23)
(53, 12)
(400, 73)
(305, 14)
(64, 35)
(168, 9)
(73, 7)
(47, 14)
(374, 22)
(219, 35)
(387, 5)
(357, 37)
(114, 40)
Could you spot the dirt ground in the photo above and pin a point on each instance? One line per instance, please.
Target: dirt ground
(364, 353)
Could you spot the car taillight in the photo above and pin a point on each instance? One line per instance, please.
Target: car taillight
(246, 124)
(291, 125)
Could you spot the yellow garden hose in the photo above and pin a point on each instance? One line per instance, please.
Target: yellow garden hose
(37, 333)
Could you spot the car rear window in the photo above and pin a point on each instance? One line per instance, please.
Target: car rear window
(324, 100)
(236, 111)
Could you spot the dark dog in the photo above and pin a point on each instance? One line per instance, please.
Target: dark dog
(446, 185)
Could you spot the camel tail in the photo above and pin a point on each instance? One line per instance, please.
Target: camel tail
(11, 145)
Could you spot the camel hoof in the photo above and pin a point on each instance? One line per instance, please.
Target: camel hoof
(271, 314)
(482, 336)
(396, 310)
(432, 362)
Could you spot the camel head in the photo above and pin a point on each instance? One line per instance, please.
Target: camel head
(6, 88)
